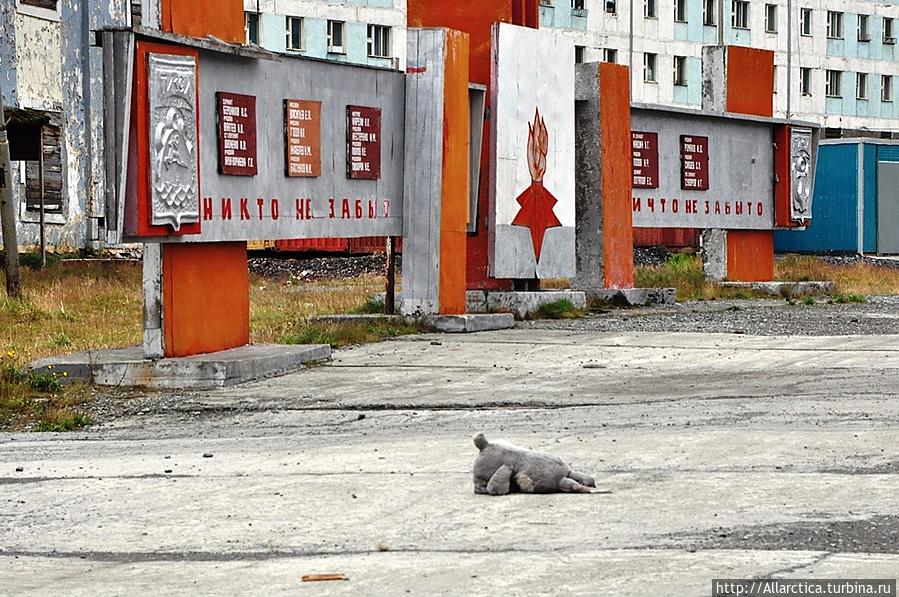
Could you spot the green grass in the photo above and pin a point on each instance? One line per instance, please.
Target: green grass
(38, 400)
(339, 335)
(561, 309)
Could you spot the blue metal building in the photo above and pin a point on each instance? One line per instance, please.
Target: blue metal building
(856, 201)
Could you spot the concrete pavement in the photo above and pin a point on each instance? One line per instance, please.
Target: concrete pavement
(726, 456)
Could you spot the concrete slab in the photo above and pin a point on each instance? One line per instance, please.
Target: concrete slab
(726, 457)
(354, 318)
(785, 289)
(466, 324)
(127, 367)
(632, 297)
(521, 304)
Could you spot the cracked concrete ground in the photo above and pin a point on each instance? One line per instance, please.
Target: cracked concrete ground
(726, 456)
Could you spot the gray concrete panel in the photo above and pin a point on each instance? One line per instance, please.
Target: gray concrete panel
(741, 174)
(336, 86)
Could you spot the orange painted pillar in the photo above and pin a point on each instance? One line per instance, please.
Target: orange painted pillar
(617, 178)
(749, 89)
(223, 19)
(455, 187)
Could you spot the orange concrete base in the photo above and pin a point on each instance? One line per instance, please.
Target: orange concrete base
(199, 18)
(750, 255)
(206, 297)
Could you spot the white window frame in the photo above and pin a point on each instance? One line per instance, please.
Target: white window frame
(864, 33)
(681, 11)
(805, 83)
(770, 18)
(774, 90)
(680, 71)
(246, 27)
(578, 5)
(653, 13)
(833, 78)
(834, 24)
(40, 13)
(374, 31)
(886, 88)
(288, 23)
(708, 13)
(613, 4)
(735, 21)
(334, 48)
(806, 22)
(608, 53)
(861, 86)
(650, 67)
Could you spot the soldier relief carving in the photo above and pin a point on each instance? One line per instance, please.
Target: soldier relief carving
(801, 174)
(173, 140)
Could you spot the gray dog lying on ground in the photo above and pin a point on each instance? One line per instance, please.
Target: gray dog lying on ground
(502, 468)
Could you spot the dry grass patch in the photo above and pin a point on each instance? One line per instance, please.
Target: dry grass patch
(855, 279)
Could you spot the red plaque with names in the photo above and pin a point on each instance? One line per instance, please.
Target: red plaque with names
(645, 156)
(363, 143)
(302, 138)
(236, 115)
(694, 155)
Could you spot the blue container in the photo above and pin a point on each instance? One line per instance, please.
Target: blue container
(846, 199)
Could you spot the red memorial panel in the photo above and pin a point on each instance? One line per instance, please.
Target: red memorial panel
(645, 155)
(236, 115)
(363, 143)
(694, 152)
(302, 138)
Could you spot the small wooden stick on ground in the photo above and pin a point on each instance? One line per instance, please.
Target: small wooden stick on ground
(322, 577)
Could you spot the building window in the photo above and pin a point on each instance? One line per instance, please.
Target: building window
(680, 11)
(649, 9)
(834, 80)
(861, 86)
(708, 12)
(886, 88)
(680, 71)
(888, 37)
(295, 37)
(771, 18)
(805, 26)
(579, 52)
(612, 7)
(805, 80)
(335, 37)
(864, 34)
(834, 24)
(379, 41)
(251, 27)
(578, 5)
(43, 9)
(740, 14)
(649, 67)
(610, 55)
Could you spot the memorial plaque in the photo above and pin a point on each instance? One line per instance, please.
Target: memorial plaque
(645, 156)
(302, 138)
(363, 143)
(694, 153)
(174, 172)
(236, 133)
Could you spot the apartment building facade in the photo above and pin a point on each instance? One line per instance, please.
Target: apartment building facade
(836, 61)
(371, 32)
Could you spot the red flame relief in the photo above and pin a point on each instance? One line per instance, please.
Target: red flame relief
(536, 202)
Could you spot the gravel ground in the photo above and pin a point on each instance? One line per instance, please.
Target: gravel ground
(322, 268)
(755, 317)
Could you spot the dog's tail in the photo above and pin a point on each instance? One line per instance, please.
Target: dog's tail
(480, 441)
